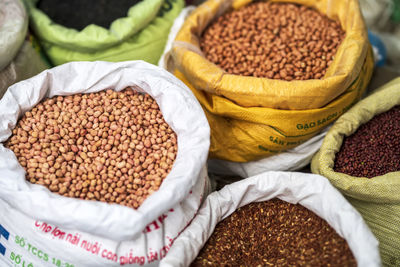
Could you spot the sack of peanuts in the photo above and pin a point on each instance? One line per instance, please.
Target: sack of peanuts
(360, 156)
(271, 75)
(18, 59)
(290, 160)
(276, 219)
(89, 31)
(101, 164)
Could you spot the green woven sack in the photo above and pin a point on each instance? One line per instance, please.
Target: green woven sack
(140, 35)
(378, 198)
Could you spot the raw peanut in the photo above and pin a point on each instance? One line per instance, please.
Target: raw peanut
(263, 39)
(96, 146)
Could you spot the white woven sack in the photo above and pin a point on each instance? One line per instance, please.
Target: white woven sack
(46, 229)
(311, 191)
(178, 22)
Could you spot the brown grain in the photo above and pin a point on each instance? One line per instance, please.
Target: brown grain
(274, 233)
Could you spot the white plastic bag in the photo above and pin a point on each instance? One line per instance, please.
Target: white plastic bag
(44, 228)
(311, 191)
(290, 160)
(178, 22)
(13, 28)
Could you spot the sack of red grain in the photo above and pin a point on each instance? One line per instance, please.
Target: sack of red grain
(360, 157)
(276, 218)
(100, 164)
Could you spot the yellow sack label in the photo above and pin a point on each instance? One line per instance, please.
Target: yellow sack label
(243, 134)
(249, 91)
(378, 198)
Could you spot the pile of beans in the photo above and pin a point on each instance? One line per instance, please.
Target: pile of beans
(374, 149)
(273, 40)
(274, 233)
(109, 146)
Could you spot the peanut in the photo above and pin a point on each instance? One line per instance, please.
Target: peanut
(79, 153)
(273, 40)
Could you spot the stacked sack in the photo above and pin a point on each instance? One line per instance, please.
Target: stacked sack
(18, 58)
(141, 35)
(253, 118)
(365, 168)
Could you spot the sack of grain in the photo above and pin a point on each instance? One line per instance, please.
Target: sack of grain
(360, 157)
(266, 237)
(256, 105)
(93, 140)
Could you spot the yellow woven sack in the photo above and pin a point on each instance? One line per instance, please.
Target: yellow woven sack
(252, 118)
(263, 92)
(378, 198)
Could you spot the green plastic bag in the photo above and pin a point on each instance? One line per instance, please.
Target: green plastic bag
(141, 35)
(378, 198)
